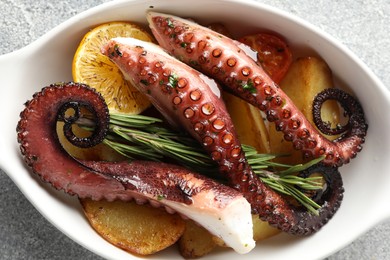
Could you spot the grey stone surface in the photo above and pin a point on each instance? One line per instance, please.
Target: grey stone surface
(362, 25)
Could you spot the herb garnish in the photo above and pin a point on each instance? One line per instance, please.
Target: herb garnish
(160, 197)
(173, 79)
(169, 23)
(248, 85)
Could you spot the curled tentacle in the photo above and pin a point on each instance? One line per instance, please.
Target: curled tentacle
(331, 183)
(330, 198)
(351, 107)
(100, 118)
(222, 59)
(193, 101)
(219, 208)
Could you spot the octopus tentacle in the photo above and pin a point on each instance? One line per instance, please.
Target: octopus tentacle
(219, 208)
(222, 59)
(351, 107)
(100, 119)
(192, 100)
(330, 198)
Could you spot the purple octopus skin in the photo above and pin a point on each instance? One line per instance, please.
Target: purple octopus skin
(182, 94)
(224, 60)
(219, 208)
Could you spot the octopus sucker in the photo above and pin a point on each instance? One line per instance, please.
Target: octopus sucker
(208, 121)
(242, 76)
(217, 207)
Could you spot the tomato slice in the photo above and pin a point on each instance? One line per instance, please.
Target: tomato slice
(273, 53)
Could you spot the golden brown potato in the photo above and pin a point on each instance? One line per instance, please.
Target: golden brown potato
(262, 230)
(306, 78)
(196, 241)
(248, 122)
(138, 229)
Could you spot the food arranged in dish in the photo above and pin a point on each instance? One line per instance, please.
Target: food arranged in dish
(198, 152)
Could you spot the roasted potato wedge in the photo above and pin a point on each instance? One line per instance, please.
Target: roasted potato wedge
(138, 229)
(305, 79)
(196, 241)
(248, 122)
(262, 230)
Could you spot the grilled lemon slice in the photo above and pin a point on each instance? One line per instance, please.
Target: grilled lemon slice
(96, 70)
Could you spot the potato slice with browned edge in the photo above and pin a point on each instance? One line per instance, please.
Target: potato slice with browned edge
(305, 79)
(138, 229)
(196, 241)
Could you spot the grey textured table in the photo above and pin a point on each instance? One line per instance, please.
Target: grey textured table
(362, 25)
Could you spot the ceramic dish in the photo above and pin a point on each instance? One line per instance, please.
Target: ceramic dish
(48, 60)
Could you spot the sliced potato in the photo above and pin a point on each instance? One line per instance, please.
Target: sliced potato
(262, 230)
(218, 241)
(196, 241)
(248, 122)
(138, 229)
(305, 79)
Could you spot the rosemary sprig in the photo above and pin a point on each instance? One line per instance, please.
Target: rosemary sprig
(143, 137)
(142, 131)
